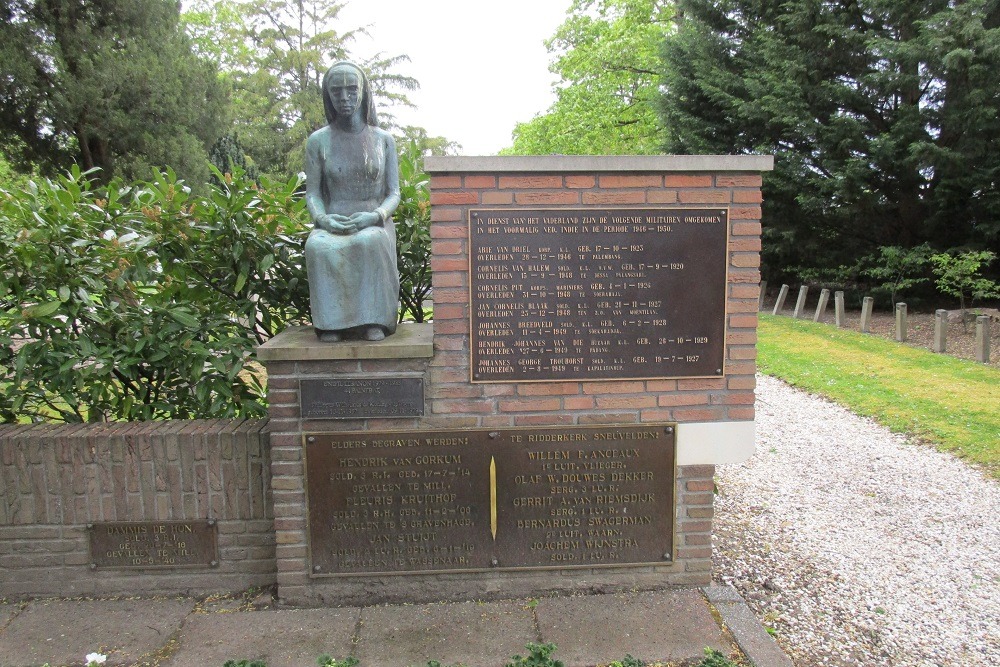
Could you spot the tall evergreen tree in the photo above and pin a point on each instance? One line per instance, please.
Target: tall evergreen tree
(884, 116)
(111, 84)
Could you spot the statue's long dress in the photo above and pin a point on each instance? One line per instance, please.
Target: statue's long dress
(353, 279)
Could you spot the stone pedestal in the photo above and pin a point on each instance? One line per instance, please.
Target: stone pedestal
(296, 356)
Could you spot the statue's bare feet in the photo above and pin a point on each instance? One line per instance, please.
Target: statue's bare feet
(374, 333)
(330, 336)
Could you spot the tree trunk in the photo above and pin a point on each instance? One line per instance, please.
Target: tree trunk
(86, 157)
(94, 153)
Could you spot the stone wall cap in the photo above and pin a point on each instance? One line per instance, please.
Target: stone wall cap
(436, 164)
(411, 341)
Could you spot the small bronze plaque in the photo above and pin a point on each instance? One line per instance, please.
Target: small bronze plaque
(362, 398)
(477, 499)
(159, 544)
(588, 294)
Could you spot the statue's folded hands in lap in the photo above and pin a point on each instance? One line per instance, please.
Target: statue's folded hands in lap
(352, 188)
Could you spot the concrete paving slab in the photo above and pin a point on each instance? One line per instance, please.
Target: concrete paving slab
(62, 632)
(661, 625)
(281, 638)
(471, 633)
(7, 612)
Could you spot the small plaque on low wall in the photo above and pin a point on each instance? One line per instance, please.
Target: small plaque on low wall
(590, 294)
(486, 499)
(156, 544)
(361, 398)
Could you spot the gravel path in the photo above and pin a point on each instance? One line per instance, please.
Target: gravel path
(857, 546)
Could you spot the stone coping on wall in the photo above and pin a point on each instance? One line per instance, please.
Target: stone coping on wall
(411, 341)
(434, 164)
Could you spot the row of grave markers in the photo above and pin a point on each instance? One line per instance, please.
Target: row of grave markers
(982, 346)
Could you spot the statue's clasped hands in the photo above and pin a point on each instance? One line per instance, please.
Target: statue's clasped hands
(349, 224)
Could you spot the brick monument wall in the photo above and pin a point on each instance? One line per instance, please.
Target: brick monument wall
(714, 415)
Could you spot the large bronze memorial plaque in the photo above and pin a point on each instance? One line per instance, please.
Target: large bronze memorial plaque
(590, 294)
(154, 544)
(402, 502)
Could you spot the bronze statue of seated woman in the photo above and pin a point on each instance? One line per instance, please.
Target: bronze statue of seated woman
(352, 188)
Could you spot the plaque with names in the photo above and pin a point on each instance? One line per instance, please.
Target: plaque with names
(154, 544)
(589, 294)
(405, 502)
(361, 398)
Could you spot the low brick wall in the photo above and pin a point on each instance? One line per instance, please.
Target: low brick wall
(57, 479)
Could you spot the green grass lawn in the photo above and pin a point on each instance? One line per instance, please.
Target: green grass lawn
(951, 403)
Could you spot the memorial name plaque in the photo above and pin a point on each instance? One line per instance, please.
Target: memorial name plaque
(156, 544)
(474, 500)
(571, 294)
(361, 398)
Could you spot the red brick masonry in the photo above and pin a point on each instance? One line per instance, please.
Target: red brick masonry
(461, 184)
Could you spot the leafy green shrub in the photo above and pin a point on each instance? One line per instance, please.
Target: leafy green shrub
(145, 301)
(413, 234)
(714, 658)
(244, 663)
(628, 661)
(142, 302)
(897, 268)
(10, 178)
(237, 250)
(539, 655)
(329, 661)
(960, 276)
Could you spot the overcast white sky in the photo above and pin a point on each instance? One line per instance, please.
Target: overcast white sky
(481, 65)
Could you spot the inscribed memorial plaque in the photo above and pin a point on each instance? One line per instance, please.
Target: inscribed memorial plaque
(361, 398)
(154, 544)
(477, 499)
(586, 294)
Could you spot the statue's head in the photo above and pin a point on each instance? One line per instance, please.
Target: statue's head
(346, 87)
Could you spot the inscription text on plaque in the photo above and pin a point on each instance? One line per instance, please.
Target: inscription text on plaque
(159, 544)
(477, 499)
(361, 398)
(585, 294)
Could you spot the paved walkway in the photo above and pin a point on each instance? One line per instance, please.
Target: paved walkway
(669, 626)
